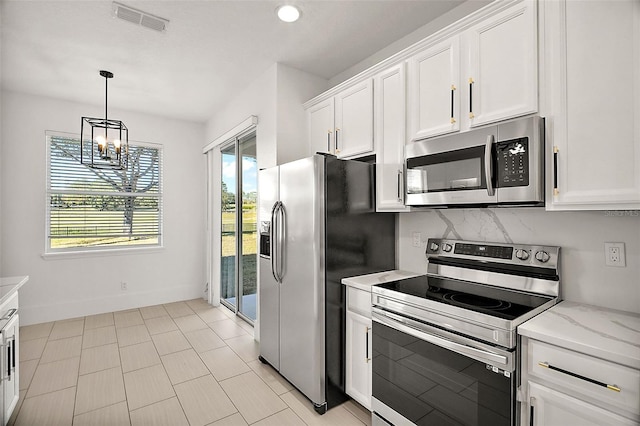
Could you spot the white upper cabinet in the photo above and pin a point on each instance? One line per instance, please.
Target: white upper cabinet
(321, 129)
(483, 74)
(343, 124)
(502, 65)
(434, 99)
(591, 100)
(389, 106)
(354, 120)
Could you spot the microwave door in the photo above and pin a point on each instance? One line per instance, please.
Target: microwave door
(463, 176)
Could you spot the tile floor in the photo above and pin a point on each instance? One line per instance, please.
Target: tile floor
(183, 363)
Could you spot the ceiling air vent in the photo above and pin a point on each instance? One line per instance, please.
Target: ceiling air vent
(139, 17)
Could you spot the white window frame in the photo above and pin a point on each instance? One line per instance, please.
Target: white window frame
(98, 250)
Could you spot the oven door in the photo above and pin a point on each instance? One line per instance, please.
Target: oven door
(428, 376)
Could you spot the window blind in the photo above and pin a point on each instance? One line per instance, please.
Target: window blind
(99, 207)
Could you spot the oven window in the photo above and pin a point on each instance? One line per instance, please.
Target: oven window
(430, 385)
(450, 171)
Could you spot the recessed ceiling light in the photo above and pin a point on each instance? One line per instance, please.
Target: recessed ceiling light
(288, 13)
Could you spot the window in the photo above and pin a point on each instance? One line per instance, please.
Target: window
(96, 208)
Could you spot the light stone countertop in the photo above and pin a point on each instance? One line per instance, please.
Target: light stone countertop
(364, 282)
(600, 332)
(9, 285)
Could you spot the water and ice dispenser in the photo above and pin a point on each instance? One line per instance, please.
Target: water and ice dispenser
(265, 239)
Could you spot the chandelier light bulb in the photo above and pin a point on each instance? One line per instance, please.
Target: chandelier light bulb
(102, 142)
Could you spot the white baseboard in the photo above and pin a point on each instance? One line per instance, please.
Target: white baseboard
(80, 308)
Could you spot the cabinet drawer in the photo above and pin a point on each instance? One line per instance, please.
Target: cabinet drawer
(561, 366)
(11, 303)
(359, 301)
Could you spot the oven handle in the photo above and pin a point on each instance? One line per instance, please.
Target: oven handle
(416, 329)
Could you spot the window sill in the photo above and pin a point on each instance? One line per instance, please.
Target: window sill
(59, 255)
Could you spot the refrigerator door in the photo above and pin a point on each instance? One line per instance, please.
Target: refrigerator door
(269, 290)
(302, 316)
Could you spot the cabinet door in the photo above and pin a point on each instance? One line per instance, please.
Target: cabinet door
(354, 120)
(434, 96)
(502, 76)
(321, 129)
(592, 103)
(358, 358)
(390, 136)
(553, 408)
(10, 366)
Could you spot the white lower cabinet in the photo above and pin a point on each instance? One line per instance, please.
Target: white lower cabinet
(567, 387)
(358, 346)
(9, 357)
(552, 408)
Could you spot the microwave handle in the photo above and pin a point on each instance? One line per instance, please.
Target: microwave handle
(488, 166)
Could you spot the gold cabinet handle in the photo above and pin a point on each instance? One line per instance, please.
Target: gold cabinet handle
(471, 82)
(556, 191)
(614, 388)
(453, 89)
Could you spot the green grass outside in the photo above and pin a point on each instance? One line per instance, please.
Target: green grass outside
(249, 239)
(73, 229)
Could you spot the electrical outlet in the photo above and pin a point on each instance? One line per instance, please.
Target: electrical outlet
(614, 254)
(123, 286)
(417, 238)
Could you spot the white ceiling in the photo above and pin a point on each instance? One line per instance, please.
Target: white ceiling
(211, 50)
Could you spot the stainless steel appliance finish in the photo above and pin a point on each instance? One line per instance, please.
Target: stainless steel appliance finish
(499, 164)
(445, 344)
(317, 226)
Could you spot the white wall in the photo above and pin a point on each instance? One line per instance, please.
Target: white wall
(276, 97)
(581, 235)
(294, 87)
(66, 288)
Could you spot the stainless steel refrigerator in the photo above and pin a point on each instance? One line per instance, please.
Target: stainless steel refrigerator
(317, 225)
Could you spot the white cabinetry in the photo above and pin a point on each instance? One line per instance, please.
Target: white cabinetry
(9, 356)
(580, 366)
(484, 74)
(358, 346)
(389, 107)
(435, 96)
(591, 99)
(552, 408)
(343, 124)
(502, 65)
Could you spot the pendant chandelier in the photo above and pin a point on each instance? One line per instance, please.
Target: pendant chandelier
(107, 144)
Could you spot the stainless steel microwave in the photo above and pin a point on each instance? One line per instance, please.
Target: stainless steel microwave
(501, 164)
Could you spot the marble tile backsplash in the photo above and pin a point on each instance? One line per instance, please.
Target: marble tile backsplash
(582, 235)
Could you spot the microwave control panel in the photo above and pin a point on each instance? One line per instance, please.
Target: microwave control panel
(513, 162)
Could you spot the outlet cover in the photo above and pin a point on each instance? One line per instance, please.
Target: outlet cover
(614, 254)
(417, 237)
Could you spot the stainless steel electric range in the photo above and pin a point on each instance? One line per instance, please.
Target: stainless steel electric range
(445, 347)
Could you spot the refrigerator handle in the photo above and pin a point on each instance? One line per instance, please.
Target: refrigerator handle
(273, 242)
(282, 229)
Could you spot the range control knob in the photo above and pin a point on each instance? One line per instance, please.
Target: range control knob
(522, 254)
(542, 256)
(446, 247)
(434, 247)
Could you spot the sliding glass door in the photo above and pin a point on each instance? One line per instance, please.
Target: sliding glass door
(239, 242)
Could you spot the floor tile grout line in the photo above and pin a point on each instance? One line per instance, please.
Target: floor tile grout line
(126, 398)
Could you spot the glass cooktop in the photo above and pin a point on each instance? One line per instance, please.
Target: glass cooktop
(480, 298)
